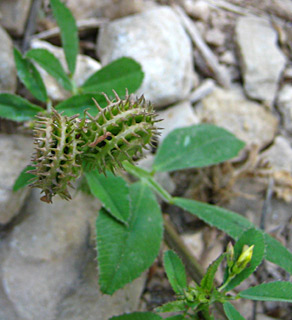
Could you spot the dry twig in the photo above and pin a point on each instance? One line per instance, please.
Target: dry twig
(211, 60)
(81, 25)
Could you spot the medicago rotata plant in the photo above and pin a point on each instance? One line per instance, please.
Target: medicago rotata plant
(96, 133)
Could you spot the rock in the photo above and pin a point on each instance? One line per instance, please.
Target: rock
(15, 154)
(50, 272)
(178, 116)
(107, 8)
(194, 243)
(197, 9)
(284, 103)
(6, 308)
(279, 155)
(215, 37)
(157, 40)
(288, 73)
(244, 307)
(46, 253)
(228, 58)
(249, 121)
(122, 8)
(281, 8)
(261, 71)
(85, 67)
(86, 9)
(87, 302)
(7, 65)
(14, 15)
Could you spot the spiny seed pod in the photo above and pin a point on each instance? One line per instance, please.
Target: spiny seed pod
(57, 158)
(119, 132)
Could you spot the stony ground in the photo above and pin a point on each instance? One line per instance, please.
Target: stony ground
(223, 62)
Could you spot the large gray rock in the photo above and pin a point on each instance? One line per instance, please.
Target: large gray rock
(15, 154)
(85, 67)
(50, 273)
(86, 301)
(7, 65)
(285, 106)
(7, 312)
(158, 41)
(46, 253)
(249, 121)
(14, 15)
(262, 62)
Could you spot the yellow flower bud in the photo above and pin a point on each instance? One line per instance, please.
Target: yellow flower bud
(244, 259)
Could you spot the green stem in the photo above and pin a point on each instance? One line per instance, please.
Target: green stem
(155, 186)
(74, 88)
(224, 285)
(136, 171)
(147, 177)
(49, 105)
(206, 313)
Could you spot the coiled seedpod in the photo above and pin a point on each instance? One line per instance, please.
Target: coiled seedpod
(57, 158)
(119, 132)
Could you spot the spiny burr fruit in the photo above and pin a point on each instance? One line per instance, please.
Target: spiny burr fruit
(57, 158)
(119, 132)
(65, 145)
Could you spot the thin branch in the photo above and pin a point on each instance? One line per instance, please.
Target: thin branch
(92, 23)
(205, 88)
(220, 74)
(31, 24)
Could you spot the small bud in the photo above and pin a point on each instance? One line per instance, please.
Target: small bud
(244, 259)
(230, 255)
(189, 296)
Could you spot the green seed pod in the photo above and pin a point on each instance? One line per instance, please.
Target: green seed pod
(57, 158)
(119, 132)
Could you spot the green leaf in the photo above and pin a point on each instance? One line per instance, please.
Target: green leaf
(208, 279)
(121, 74)
(249, 237)
(230, 222)
(125, 252)
(278, 254)
(78, 104)
(24, 179)
(175, 271)
(231, 312)
(178, 317)
(52, 65)
(15, 108)
(137, 316)
(173, 306)
(234, 225)
(196, 146)
(113, 192)
(69, 32)
(273, 291)
(30, 77)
